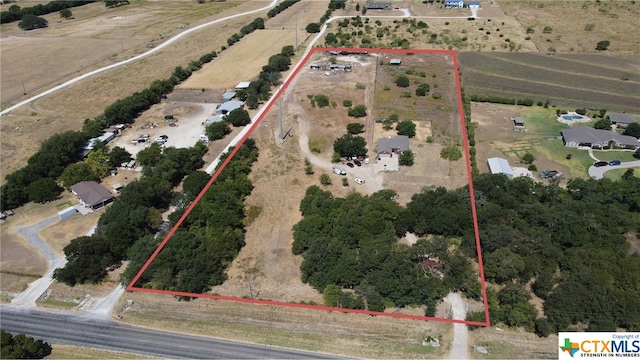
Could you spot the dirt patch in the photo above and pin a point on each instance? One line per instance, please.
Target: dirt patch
(521, 344)
(61, 233)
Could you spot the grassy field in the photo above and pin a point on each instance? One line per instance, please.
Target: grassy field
(565, 81)
(76, 352)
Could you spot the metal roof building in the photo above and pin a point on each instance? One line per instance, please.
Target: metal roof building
(243, 85)
(395, 62)
(229, 106)
(91, 194)
(500, 166)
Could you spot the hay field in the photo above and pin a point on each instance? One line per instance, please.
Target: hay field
(242, 61)
(574, 80)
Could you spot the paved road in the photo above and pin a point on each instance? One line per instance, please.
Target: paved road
(459, 347)
(598, 172)
(79, 330)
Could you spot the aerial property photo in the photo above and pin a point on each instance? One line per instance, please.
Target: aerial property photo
(318, 179)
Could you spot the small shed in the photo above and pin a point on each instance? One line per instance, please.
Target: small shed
(518, 124)
(67, 213)
(229, 106)
(500, 166)
(213, 119)
(228, 95)
(243, 85)
(395, 62)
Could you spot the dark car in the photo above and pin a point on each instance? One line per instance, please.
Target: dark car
(349, 164)
(163, 137)
(600, 163)
(357, 162)
(614, 162)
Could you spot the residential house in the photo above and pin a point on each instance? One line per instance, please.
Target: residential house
(597, 139)
(393, 145)
(91, 194)
(621, 120)
(449, 4)
(378, 6)
(500, 166)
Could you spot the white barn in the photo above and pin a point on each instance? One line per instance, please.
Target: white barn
(500, 166)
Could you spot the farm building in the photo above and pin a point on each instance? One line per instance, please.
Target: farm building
(104, 138)
(91, 194)
(518, 124)
(500, 166)
(340, 67)
(393, 145)
(597, 139)
(621, 120)
(229, 106)
(395, 62)
(378, 6)
(243, 85)
(67, 213)
(450, 4)
(474, 4)
(228, 96)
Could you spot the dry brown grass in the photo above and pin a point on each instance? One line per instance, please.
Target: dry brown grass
(61, 233)
(75, 352)
(348, 334)
(254, 50)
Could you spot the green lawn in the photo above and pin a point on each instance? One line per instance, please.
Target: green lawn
(617, 173)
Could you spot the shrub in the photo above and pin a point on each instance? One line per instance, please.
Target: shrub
(451, 153)
(355, 128)
(347, 103)
(547, 30)
(358, 111)
(402, 81)
(406, 158)
(436, 95)
(603, 45)
(325, 179)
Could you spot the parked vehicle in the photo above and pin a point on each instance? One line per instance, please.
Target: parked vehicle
(358, 181)
(357, 162)
(350, 165)
(163, 137)
(338, 170)
(614, 162)
(366, 160)
(600, 163)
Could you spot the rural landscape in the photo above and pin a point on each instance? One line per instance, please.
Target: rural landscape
(399, 179)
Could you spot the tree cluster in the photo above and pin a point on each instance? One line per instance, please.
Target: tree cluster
(280, 7)
(209, 238)
(352, 243)
(258, 23)
(22, 347)
(349, 145)
(115, 3)
(135, 214)
(333, 5)
(32, 22)
(565, 240)
(15, 12)
(500, 100)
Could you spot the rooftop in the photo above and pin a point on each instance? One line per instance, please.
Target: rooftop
(622, 118)
(588, 135)
(91, 193)
(393, 144)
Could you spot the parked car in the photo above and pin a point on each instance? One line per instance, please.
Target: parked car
(357, 162)
(358, 181)
(338, 170)
(366, 160)
(600, 163)
(614, 162)
(350, 164)
(163, 137)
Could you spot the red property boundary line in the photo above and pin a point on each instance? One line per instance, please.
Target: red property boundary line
(278, 93)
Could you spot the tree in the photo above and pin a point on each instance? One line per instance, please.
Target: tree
(406, 158)
(288, 50)
(99, 162)
(407, 128)
(31, 22)
(603, 124)
(88, 258)
(66, 14)
(402, 81)
(76, 173)
(451, 153)
(44, 190)
(349, 145)
(321, 100)
(357, 111)
(118, 156)
(218, 130)
(325, 179)
(150, 156)
(528, 158)
(22, 347)
(280, 62)
(422, 90)
(632, 129)
(355, 128)
(636, 154)
(313, 28)
(357, 6)
(194, 183)
(603, 45)
(238, 117)
(331, 295)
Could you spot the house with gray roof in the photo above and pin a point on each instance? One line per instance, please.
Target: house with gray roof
(500, 166)
(378, 6)
(91, 194)
(393, 145)
(597, 139)
(621, 120)
(454, 4)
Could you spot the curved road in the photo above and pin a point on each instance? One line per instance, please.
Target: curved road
(598, 172)
(78, 330)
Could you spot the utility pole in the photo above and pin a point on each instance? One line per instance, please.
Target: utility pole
(24, 88)
(296, 32)
(122, 45)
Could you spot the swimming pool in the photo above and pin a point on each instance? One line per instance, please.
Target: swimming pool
(568, 117)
